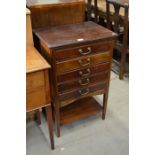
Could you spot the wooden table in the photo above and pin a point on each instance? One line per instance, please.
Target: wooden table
(80, 55)
(46, 13)
(37, 86)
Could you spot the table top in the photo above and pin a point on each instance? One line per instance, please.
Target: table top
(120, 2)
(37, 3)
(34, 61)
(71, 34)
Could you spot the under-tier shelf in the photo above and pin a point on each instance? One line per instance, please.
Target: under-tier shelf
(78, 110)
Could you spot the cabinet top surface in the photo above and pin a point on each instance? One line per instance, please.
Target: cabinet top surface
(58, 36)
(34, 61)
(33, 3)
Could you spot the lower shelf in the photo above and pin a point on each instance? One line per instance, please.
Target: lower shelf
(78, 110)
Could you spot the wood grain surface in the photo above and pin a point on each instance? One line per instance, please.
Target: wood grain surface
(34, 61)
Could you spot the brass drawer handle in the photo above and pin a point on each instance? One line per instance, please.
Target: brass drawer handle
(85, 53)
(86, 74)
(84, 93)
(83, 84)
(84, 64)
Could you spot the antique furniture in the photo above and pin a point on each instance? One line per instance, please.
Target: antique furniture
(29, 42)
(37, 86)
(80, 56)
(46, 13)
(120, 25)
(37, 80)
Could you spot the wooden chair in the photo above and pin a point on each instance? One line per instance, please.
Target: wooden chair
(97, 9)
(91, 8)
(120, 25)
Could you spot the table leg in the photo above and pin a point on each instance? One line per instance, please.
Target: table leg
(50, 125)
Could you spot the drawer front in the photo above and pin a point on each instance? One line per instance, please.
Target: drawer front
(34, 80)
(71, 53)
(83, 92)
(85, 62)
(81, 73)
(35, 99)
(83, 82)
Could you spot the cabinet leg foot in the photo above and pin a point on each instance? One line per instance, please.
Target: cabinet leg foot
(105, 100)
(50, 125)
(57, 120)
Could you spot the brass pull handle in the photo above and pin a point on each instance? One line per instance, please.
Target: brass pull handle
(85, 53)
(84, 64)
(84, 75)
(84, 93)
(86, 83)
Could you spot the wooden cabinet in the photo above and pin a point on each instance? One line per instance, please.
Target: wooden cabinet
(46, 13)
(80, 55)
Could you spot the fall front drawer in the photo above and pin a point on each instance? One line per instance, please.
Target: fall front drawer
(78, 84)
(84, 62)
(84, 72)
(83, 92)
(79, 51)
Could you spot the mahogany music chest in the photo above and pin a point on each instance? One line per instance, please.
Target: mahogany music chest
(80, 56)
